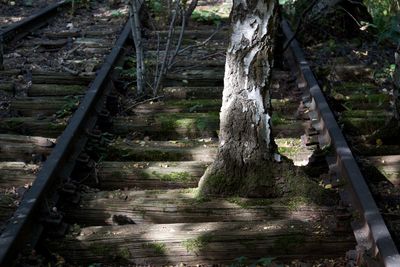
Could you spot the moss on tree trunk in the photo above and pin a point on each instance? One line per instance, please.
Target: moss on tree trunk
(244, 163)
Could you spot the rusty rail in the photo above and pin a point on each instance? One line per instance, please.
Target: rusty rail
(369, 228)
(27, 222)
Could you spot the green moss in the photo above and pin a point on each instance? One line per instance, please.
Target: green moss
(296, 202)
(288, 242)
(289, 146)
(365, 114)
(153, 192)
(277, 119)
(214, 104)
(300, 189)
(195, 245)
(101, 249)
(250, 202)
(124, 253)
(116, 151)
(360, 126)
(356, 87)
(198, 199)
(117, 174)
(56, 126)
(217, 181)
(194, 191)
(14, 123)
(158, 248)
(189, 122)
(183, 177)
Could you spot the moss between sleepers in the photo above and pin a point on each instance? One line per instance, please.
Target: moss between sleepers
(361, 126)
(292, 186)
(182, 177)
(189, 122)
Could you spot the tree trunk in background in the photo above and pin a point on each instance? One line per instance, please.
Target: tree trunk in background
(396, 93)
(190, 10)
(244, 164)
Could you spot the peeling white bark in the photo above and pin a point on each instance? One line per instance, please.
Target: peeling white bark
(245, 136)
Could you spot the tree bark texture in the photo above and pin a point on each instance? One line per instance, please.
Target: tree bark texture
(396, 80)
(137, 37)
(244, 163)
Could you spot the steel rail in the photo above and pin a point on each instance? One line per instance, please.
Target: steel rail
(370, 231)
(20, 29)
(31, 23)
(25, 219)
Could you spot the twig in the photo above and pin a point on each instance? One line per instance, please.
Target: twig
(157, 59)
(74, 49)
(178, 45)
(73, 72)
(203, 43)
(164, 63)
(351, 16)
(299, 23)
(142, 102)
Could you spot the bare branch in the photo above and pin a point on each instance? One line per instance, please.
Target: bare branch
(137, 38)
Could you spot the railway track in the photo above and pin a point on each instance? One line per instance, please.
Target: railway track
(130, 181)
(369, 227)
(15, 12)
(44, 79)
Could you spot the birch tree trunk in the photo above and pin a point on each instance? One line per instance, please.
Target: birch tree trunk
(244, 165)
(190, 10)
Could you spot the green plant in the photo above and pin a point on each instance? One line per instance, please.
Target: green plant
(386, 18)
(158, 248)
(155, 6)
(194, 245)
(206, 17)
(129, 69)
(116, 14)
(69, 107)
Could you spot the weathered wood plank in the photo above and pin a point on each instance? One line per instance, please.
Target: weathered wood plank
(42, 77)
(375, 150)
(119, 207)
(7, 88)
(35, 106)
(177, 106)
(170, 126)
(195, 78)
(196, 34)
(161, 151)
(202, 243)
(10, 179)
(192, 92)
(362, 126)
(33, 126)
(22, 151)
(348, 72)
(55, 90)
(148, 175)
(201, 104)
(36, 140)
(16, 174)
(8, 204)
(388, 166)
